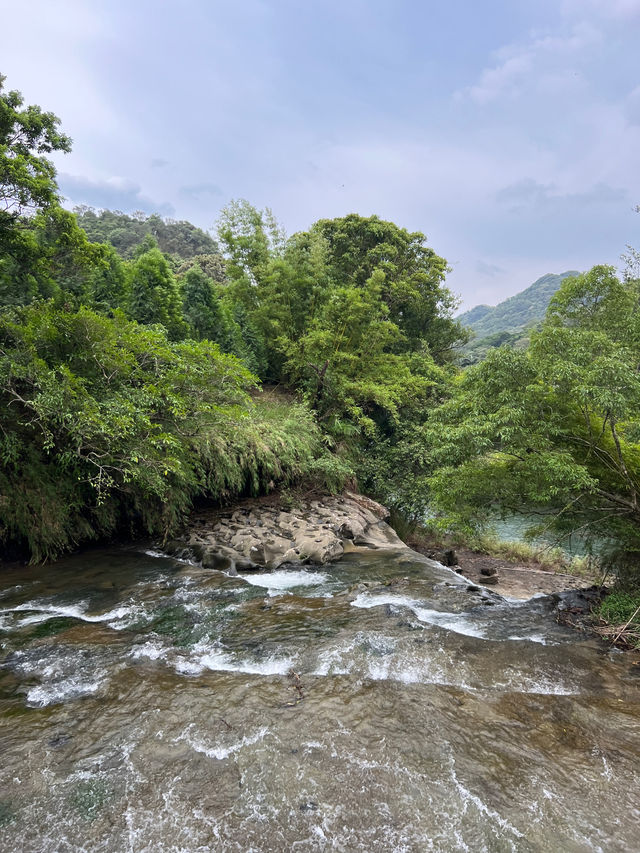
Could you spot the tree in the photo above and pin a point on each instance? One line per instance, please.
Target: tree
(27, 177)
(155, 297)
(125, 232)
(207, 317)
(555, 429)
(419, 303)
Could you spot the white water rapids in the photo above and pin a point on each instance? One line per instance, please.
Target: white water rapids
(375, 704)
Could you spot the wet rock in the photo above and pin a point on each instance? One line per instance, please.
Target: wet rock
(259, 535)
(59, 740)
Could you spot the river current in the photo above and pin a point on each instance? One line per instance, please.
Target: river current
(374, 704)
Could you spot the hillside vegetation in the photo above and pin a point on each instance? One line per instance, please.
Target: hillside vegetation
(133, 352)
(511, 321)
(131, 375)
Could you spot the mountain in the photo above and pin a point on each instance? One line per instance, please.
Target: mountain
(509, 321)
(518, 311)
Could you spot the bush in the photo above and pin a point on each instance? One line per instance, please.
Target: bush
(105, 425)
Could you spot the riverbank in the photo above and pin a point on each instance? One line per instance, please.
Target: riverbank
(316, 528)
(269, 532)
(512, 577)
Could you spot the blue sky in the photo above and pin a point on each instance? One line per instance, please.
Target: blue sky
(508, 131)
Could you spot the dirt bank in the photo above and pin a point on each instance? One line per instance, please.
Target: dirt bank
(515, 580)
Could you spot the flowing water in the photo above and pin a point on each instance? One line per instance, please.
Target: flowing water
(376, 704)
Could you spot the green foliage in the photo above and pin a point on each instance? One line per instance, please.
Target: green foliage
(125, 233)
(105, 425)
(555, 429)
(619, 607)
(410, 273)
(203, 311)
(352, 312)
(27, 177)
(155, 296)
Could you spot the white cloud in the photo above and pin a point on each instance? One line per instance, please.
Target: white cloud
(531, 63)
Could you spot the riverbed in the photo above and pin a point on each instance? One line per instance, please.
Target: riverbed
(379, 703)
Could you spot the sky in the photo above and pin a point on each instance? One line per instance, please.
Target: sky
(507, 131)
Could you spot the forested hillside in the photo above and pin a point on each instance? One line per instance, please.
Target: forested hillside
(132, 366)
(133, 352)
(511, 321)
(127, 233)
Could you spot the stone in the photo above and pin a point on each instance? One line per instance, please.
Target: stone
(449, 558)
(488, 571)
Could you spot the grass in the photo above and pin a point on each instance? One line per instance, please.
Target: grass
(540, 556)
(552, 559)
(619, 614)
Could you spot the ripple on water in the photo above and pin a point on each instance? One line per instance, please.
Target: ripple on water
(459, 623)
(63, 673)
(219, 751)
(117, 618)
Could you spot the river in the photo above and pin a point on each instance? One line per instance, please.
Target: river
(374, 704)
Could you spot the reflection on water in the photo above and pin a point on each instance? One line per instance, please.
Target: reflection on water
(377, 704)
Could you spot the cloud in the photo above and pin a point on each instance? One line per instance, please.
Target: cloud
(528, 193)
(489, 270)
(617, 9)
(159, 163)
(531, 63)
(200, 192)
(113, 193)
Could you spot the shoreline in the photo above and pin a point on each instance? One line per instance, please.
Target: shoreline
(516, 579)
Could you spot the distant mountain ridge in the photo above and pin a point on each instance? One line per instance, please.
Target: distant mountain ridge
(516, 313)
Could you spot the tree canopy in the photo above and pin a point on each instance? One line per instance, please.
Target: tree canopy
(556, 428)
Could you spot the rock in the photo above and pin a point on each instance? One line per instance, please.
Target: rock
(490, 579)
(212, 558)
(256, 534)
(488, 571)
(449, 558)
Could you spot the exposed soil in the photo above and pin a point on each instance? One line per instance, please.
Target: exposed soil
(515, 580)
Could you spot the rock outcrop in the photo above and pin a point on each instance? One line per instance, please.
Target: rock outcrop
(258, 534)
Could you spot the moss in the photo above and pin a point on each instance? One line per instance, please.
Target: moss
(52, 627)
(7, 813)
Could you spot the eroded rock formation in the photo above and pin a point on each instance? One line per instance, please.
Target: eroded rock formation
(259, 534)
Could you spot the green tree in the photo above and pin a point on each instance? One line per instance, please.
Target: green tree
(125, 232)
(555, 429)
(205, 313)
(27, 176)
(155, 296)
(419, 303)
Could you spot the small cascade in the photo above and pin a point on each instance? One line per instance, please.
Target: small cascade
(377, 703)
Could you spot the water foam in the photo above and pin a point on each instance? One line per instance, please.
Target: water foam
(118, 618)
(458, 623)
(281, 580)
(221, 752)
(69, 688)
(220, 661)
